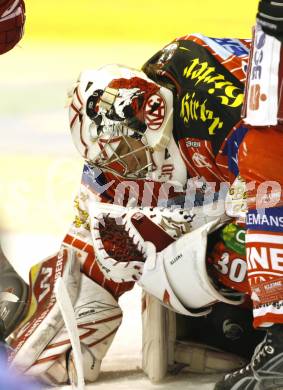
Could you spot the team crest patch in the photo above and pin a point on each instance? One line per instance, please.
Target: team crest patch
(155, 111)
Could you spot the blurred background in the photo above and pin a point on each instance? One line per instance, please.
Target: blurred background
(39, 167)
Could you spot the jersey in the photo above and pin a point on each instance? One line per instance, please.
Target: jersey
(207, 77)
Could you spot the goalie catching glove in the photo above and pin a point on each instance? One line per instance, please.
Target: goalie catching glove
(167, 255)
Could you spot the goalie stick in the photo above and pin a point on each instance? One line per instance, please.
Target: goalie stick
(68, 315)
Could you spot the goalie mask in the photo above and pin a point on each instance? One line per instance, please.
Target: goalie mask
(121, 121)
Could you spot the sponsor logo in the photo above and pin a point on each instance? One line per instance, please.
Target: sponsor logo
(263, 219)
(201, 73)
(210, 96)
(268, 293)
(193, 109)
(93, 307)
(258, 56)
(269, 220)
(270, 286)
(45, 282)
(233, 46)
(175, 259)
(49, 275)
(265, 258)
(255, 95)
(59, 266)
(192, 144)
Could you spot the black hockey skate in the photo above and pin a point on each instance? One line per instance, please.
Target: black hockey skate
(265, 371)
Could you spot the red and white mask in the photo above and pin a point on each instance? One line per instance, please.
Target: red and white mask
(122, 121)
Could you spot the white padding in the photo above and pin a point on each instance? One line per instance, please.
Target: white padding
(177, 276)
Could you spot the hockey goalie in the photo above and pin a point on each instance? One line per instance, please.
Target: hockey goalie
(172, 178)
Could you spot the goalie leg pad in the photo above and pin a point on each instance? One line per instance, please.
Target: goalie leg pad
(44, 320)
(98, 317)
